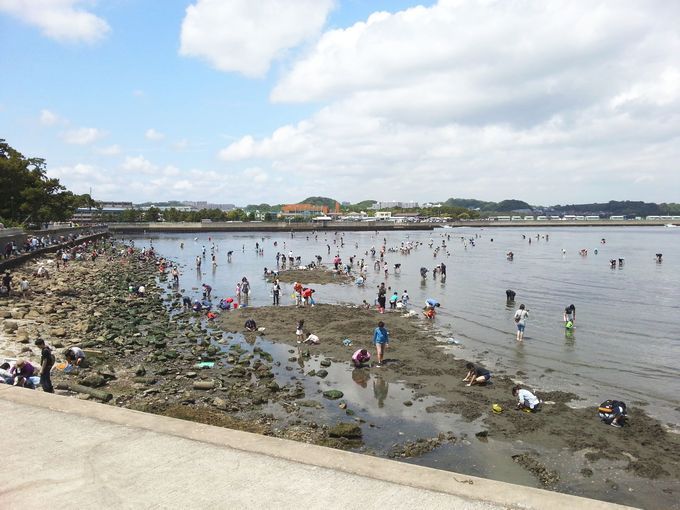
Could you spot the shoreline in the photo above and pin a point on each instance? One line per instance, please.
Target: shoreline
(147, 355)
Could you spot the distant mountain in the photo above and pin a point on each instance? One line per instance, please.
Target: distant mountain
(503, 206)
(365, 204)
(328, 202)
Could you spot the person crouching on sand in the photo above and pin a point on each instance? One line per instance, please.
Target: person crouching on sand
(360, 357)
(476, 375)
(526, 400)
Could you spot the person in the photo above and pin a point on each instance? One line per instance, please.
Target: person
(299, 333)
(211, 316)
(659, 257)
(312, 339)
(423, 272)
(613, 412)
(186, 302)
(525, 399)
(74, 356)
(521, 321)
(207, 290)
(21, 372)
(250, 325)
(46, 364)
(197, 306)
(6, 376)
(430, 306)
(393, 300)
(365, 305)
(476, 375)
(381, 298)
(7, 282)
(570, 314)
(381, 339)
(24, 287)
(141, 290)
(510, 295)
(297, 289)
(405, 298)
(360, 357)
(276, 292)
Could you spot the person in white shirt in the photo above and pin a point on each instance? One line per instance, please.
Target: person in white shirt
(312, 339)
(526, 399)
(521, 321)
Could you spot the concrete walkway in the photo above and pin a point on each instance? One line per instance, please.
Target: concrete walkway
(61, 452)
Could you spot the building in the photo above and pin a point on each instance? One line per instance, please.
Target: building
(88, 215)
(383, 215)
(197, 206)
(306, 211)
(394, 205)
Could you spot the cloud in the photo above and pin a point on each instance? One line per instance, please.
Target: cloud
(483, 98)
(62, 20)
(152, 134)
(139, 164)
(82, 136)
(181, 145)
(48, 118)
(245, 36)
(111, 150)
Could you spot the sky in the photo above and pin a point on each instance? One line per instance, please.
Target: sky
(241, 101)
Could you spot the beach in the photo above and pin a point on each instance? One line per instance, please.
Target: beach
(152, 355)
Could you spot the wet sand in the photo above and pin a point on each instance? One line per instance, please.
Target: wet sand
(317, 276)
(417, 356)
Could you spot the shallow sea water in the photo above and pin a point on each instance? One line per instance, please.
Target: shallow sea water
(626, 343)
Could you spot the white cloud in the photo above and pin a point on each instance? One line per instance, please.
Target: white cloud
(152, 134)
(82, 136)
(489, 99)
(246, 36)
(48, 118)
(111, 150)
(139, 164)
(62, 20)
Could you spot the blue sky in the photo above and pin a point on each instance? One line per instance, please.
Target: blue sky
(272, 101)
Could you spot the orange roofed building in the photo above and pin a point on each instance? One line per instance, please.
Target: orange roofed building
(303, 210)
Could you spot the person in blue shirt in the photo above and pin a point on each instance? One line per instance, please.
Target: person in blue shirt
(381, 339)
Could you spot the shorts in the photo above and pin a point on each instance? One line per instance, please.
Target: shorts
(520, 327)
(377, 342)
(486, 377)
(298, 332)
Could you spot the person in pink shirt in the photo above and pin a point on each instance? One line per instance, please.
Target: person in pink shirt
(360, 357)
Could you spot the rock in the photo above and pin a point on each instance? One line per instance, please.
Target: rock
(10, 326)
(325, 363)
(191, 375)
(219, 403)
(139, 370)
(321, 373)
(343, 405)
(333, 394)
(59, 332)
(49, 309)
(346, 430)
(93, 381)
(292, 358)
(408, 403)
(22, 336)
(204, 385)
(273, 386)
(311, 373)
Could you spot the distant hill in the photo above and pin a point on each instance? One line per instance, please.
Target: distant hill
(328, 202)
(365, 204)
(503, 206)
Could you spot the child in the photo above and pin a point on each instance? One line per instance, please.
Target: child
(393, 300)
(476, 375)
(299, 333)
(526, 400)
(360, 357)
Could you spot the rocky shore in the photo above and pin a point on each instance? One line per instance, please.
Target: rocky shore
(151, 355)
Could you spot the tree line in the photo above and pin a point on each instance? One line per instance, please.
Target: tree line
(28, 197)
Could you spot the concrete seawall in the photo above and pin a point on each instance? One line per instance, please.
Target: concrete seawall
(21, 259)
(99, 456)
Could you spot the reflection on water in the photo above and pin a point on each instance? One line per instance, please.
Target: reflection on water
(380, 387)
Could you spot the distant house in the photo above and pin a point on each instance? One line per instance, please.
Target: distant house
(306, 211)
(383, 215)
